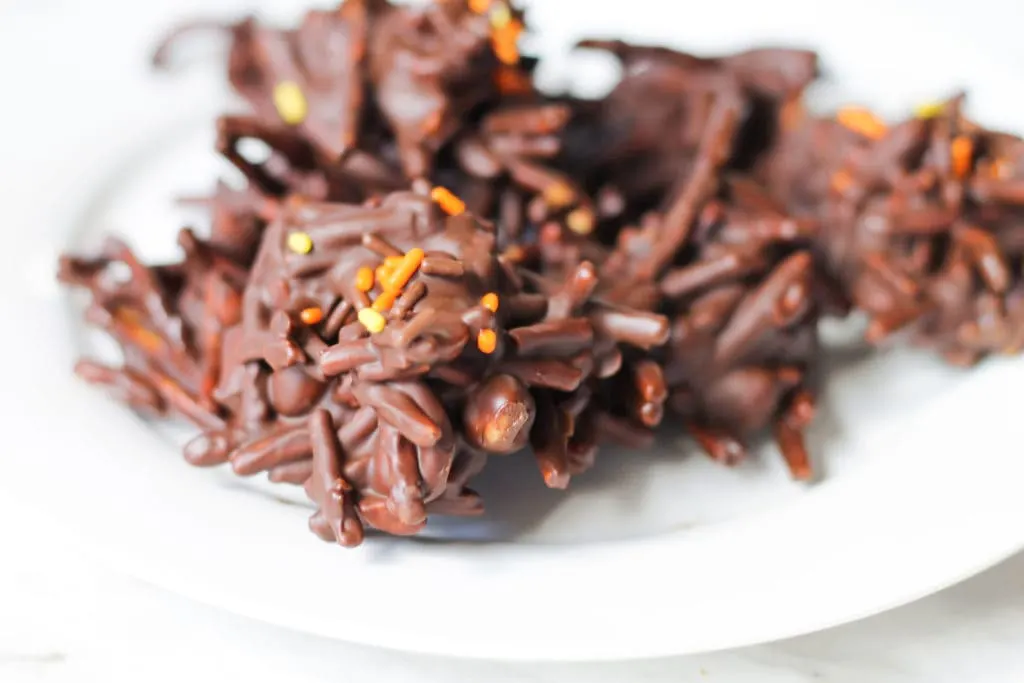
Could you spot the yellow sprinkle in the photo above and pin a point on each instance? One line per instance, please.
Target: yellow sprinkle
(580, 221)
(372, 320)
(501, 15)
(300, 243)
(487, 341)
(929, 110)
(290, 102)
(490, 302)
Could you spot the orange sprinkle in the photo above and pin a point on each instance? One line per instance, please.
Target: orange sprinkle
(406, 269)
(147, 339)
(382, 274)
(479, 6)
(312, 315)
(506, 52)
(961, 152)
(841, 181)
(862, 121)
(487, 341)
(392, 262)
(132, 322)
(490, 302)
(448, 202)
(505, 42)
(364, 279)
(514, 254)
(558, 195)
(385, 301)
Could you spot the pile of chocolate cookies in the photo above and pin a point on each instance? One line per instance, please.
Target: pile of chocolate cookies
(436, 262)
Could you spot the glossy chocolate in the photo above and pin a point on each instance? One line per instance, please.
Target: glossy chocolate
(438, 263)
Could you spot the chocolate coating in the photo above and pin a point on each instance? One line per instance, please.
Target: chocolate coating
(293, 391)
(437, 262)
(499, 415)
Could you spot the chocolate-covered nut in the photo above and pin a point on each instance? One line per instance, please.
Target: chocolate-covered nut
(499, 415)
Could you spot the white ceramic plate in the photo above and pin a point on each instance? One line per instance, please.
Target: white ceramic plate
(648, 555)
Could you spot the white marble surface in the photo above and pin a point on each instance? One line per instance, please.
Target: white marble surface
(64, 619)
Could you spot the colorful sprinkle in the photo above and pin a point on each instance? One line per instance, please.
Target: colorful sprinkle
(364, 279)
(961, 152)
(479, 6)
(385, 300)
(862, 121)
(311, 315)
(290, 102)
(406, 269)
(448, 202)
(558, 195)
(501, 16)
(487, 341)
(383, 274)
(372, 320)
(514, 253)
(147, 339)
(490, 302)
(929, 110)
(300, 243)
(505, 42)
(580, 221)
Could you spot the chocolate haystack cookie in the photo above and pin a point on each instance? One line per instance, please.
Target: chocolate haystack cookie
(920, 223)
(169, 320)
(366, 94)
(436, 262)
(694, 237)
(377, 353)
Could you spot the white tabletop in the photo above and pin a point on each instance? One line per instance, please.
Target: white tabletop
(64, 619)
